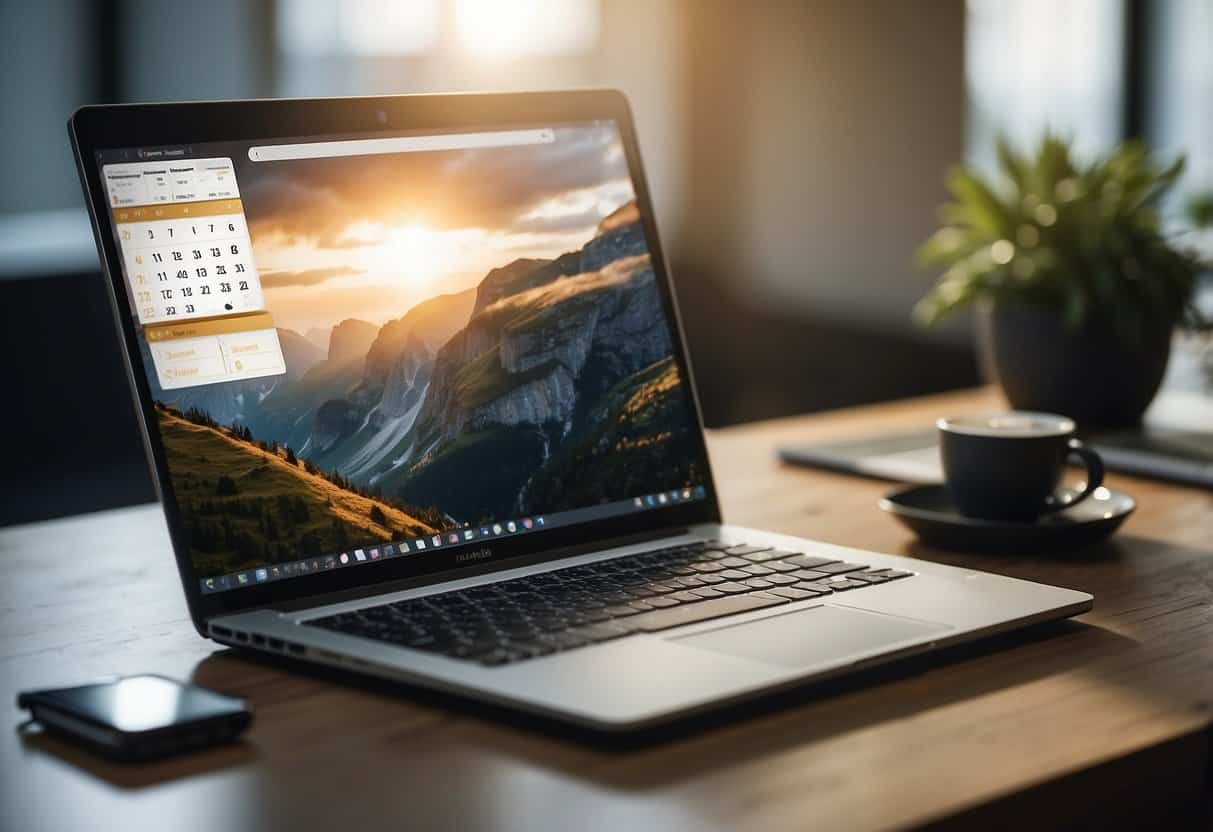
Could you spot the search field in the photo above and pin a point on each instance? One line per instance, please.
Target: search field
(403, 144)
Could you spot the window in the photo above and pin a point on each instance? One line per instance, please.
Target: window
(1036, 64)
(1179, 101)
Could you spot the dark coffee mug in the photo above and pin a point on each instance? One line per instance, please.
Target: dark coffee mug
(1006, 466)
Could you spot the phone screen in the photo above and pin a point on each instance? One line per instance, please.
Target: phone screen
(142, 703)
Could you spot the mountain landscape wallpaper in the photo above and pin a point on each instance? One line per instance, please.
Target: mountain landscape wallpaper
(469, 335)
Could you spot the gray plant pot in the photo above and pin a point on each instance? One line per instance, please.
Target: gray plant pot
(1089, 373)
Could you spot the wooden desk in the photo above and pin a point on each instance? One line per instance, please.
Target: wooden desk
(1105, 716)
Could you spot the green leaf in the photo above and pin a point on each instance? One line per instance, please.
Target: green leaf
(983, 209)
(1013, 165)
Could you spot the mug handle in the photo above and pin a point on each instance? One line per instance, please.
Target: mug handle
(1094, 466)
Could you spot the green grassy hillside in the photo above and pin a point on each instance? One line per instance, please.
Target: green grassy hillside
(243, 505)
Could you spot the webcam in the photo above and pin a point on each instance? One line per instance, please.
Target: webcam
(381, 116)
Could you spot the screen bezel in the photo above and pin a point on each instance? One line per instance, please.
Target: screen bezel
(111, 127)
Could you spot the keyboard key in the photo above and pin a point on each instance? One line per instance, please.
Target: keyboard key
(758, 583)
(813, 586)
(810, 562)
(892, 574)
(708, 592)
(731, 588)
(845, 584)
(756, 569)
(624, 610)
(792, 593)
(809, 574)
(663, 601)
(531, 650)
(733, 575)
(686, 597)
(744, 549)
(770, 554)
(781, 580)
(563, 641)
(497, 657)
(706, 566)
(658, 620)
(733, 562)
(839, 568)
(869, 577)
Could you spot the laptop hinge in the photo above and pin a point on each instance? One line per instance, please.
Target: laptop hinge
(546, 556)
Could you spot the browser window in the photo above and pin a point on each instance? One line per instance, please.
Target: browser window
(370, 347)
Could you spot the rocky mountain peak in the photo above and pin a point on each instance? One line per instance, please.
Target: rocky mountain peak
(351, 339)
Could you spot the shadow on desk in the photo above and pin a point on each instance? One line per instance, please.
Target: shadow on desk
(136, 775)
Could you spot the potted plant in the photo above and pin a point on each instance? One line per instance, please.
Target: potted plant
(1077, 287)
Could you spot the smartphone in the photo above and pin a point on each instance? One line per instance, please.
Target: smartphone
(138, 717)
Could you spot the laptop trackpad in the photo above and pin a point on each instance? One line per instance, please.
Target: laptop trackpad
(813, 636)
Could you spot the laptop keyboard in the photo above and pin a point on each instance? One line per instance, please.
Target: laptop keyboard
(564, 609)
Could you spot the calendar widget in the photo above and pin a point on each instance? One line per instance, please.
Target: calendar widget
(187, 257)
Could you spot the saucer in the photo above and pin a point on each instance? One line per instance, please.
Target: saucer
(928, 511)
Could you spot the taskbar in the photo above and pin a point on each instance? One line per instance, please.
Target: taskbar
(451, 537)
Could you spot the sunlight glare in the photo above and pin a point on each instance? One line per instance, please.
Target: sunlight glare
(505, 29)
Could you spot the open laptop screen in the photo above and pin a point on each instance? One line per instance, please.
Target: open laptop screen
(368, 348)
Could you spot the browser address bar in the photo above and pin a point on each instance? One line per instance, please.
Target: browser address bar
(403, 144)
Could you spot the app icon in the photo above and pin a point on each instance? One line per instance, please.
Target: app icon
(484, 531)
(528, 523)
(496, 528)
(388, 551)
(469, 534)
(315, 566)
(302, 565)
(330, 562)
(402, 548)
(221, 582)
(263, 575)
(242, 578)
(650, 501)
(510, 527)
(419, 544)
(275, 572)
(539, 521)
(663, 499)
(638, 502)
(359, 554)
(686, 493)
(374, 554)
(452, 538)
(345, 558)
(436, 540)
(209, 583)
(700, 492)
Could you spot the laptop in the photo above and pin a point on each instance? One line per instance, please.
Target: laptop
(412, 380)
